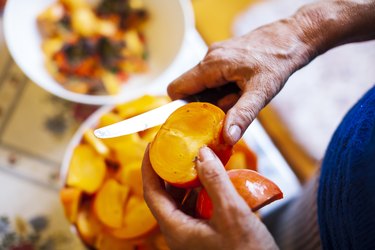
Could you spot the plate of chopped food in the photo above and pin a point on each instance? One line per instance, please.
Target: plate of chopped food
(96, 51)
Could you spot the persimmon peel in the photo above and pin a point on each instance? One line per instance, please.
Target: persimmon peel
(255, 189)
(175, 148)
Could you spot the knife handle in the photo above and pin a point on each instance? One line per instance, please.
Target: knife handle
(215, 94)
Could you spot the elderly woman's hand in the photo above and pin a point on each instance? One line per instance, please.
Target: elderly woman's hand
(261, 61)
(233, 224)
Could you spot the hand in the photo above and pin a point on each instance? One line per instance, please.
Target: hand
(233, 224)
(261, 61)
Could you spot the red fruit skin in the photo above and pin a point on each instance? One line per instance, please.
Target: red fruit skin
(255, 189)
(221, 149)
(224, 152)
(204, 206)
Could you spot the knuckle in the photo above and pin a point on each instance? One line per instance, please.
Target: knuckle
(212, 174)
(214, 46)
(243, 114)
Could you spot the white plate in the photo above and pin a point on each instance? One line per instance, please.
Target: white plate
(165, 32)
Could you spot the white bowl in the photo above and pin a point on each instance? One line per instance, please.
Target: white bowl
(165, 32)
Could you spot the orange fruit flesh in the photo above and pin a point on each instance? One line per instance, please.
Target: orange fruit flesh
(109, 202)
(87, 169)
(70, 198)
(137, 221)
(175, 148)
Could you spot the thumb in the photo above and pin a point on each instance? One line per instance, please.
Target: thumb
(242, 114)
(215, 179)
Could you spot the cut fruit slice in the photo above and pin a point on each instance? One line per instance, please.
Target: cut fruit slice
(138, 220)
(87, 169)
(109, 203)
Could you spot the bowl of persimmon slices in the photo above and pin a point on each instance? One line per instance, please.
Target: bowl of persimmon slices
(102, 189)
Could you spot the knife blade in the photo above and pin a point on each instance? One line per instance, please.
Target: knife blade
(159, 115)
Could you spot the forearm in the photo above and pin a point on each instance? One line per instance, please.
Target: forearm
(327, 24)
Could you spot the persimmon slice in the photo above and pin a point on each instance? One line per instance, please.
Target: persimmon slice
(138, 220)
(131, 175)
(175, 148)
(70, 198)
(109, 203)
(88, 225)
(87, 169)
(141, 105)
(254, 188)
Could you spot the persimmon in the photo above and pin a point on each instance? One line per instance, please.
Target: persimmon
(141, 105)
(96, 143)
(175, 148)
(70, 198)
(254, 188)
(87, 169)
(149, 134)
(108, 119)
(88, 225)
(112, 143)
(251, 158)
(109, 203)
(131, 175)
(129, 148)
(236, 161)
(138, 220)
(105, 241)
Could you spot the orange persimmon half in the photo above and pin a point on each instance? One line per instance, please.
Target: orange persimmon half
(255, 189)
(175, 148)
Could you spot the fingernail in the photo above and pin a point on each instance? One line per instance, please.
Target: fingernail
(234, 132)
(206, 154)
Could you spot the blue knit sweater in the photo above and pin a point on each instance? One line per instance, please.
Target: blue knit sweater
(346, 195)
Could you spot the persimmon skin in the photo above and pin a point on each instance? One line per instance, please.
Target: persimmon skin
(175, 149)
(255, 189)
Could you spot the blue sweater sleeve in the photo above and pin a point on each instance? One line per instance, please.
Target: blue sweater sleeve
(346, 194)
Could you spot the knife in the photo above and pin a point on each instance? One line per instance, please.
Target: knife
(159, 115)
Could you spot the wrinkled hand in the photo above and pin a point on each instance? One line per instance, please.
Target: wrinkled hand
(261, 61)
(233, 224)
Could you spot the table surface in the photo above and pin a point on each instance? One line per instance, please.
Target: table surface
(30, 157)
